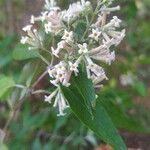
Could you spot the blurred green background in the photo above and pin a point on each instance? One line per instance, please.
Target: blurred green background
(36, 126)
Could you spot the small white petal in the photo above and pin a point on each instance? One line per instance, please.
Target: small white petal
(27, 28)
(68, 36)
(24, 39)
(50, 97)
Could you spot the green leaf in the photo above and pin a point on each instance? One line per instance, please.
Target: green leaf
(48, 39)
(3, 147)
(140, 88)
(120, 119)
(100, 123)
(21, 52)
(60, 122)
(36, 145)
(81, 95)
(5, 84)
(84, 87)
(80, 28)
(144, 60)
(6, 44)
(130, 10)
(27, 73)
(31, 121)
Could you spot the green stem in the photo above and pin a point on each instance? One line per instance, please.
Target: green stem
(44, 59)
(40, 92)
(92, 19)
(45, 50)
(20, 86)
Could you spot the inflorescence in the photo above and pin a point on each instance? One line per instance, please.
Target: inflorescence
(94, 46)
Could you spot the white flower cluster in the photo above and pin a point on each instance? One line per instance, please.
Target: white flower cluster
(95, 45)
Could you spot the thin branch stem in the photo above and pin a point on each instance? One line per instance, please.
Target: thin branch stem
(44, 59)
(12, 115)
(39, 79)
(45, 50)
(40, 92)
(20, 86)
(90, 23)
(8, 122)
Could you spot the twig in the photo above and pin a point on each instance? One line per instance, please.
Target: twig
(8, 123)
(12, 115)
(40, 91)
(16, 108)
(44, 59)
(91, 21)
(39, 79)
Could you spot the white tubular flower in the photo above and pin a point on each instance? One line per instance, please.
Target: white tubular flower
(33, 38)
(67, 79)
(117, 36)
(62, 105)
(48, 27)
(61, 44)
(99, 21)
(59, 74)
(113, 24)
(75, 8)
(73, 11)
(51, 96)
(95, 72)
(107, 41)
(32, 20)
(74, 66)
(53, 21)
(82, 48)
(105, 56)
(27, 28)
(53, 17)
(66, 16)
(68, 36)
(95, 34)
(51, 5)
(43, 16)
(97, 50)
(59, 101)
(85, 3)
(24, 39)
(108, 10)
(55, 52)
(50, 72)
(115, 21)
(97, 80)
(55, 82)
